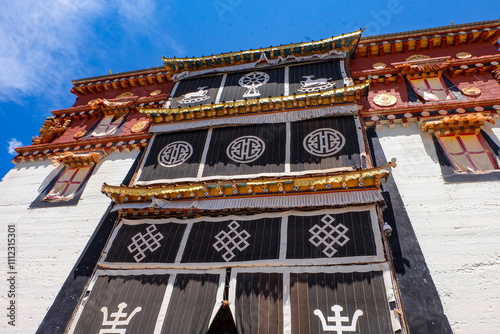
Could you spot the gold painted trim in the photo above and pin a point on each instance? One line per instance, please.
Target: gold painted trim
(269, 49)
(257, 105)
(356, 179)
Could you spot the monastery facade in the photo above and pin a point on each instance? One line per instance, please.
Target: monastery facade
(344, 185)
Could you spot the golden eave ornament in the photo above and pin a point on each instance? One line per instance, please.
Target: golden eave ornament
(139, 126)
(360, 180)
(463, 55)
(379, 66)
(385, 100)
(471, 91)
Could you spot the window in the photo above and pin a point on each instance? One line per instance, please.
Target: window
(468, 152)
(108, 125)
(432, 89)
(67, 184)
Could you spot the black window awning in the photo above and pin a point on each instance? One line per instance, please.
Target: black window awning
(310, 299)
(353, 299)
(150, 301)
(294, 148)
(258, 302)
(330, 236)
(130, 302)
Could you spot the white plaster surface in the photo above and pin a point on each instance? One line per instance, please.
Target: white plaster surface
(457, 226)
(49, 240)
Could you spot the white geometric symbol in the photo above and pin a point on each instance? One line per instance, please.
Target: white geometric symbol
(200, 95)
(231, 240)
(328, 235)
(117, 322)
(324, 142)
(175, 154)
(142, 242)
(252, 81)
(245, 149)
(338, 319)
(314, 85)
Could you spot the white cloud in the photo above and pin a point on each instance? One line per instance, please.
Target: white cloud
(43, 43)
(39, 42)
(13, 143)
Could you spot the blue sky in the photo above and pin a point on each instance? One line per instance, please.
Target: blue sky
(45, 44)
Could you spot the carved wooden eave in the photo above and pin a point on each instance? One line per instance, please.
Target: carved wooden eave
(428, 39)
(51, 128)
(108, 144)
(422, 113)
(458, 124)
(432, 66)
(367, 179)
(81, 159)
(420, 67)
(115, 106)
(87, 111)
(120, 81)
(348, 94)
(343, 43)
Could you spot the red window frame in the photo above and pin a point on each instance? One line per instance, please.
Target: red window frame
(465, 152)
(67, 182)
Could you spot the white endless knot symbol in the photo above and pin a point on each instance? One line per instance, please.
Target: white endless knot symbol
(324, 142)
(142, 242)
(229, 241)
(328, 235)
(245, 149)
(175, 154)
(116, 321)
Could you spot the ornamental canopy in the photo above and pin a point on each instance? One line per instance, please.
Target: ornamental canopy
(345, 43)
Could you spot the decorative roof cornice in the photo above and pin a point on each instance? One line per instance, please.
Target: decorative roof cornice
(453, 66)
(347, 94)
(99, 85)
(458, 123)
(427, 39)
(431, 31)
(420, 114)
(366, 179)
(107, 144)
(85, 110)
(344, 42)
(71, 159)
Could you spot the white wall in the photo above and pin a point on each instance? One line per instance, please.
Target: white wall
(457, 226)
(49, 240)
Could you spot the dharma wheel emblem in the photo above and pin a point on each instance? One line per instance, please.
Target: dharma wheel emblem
(252, 81)
(175, 154)
(324, 142)
(245, 149)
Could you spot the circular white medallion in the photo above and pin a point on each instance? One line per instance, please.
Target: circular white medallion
(175, 154)
(324, 142)
(246, 149)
